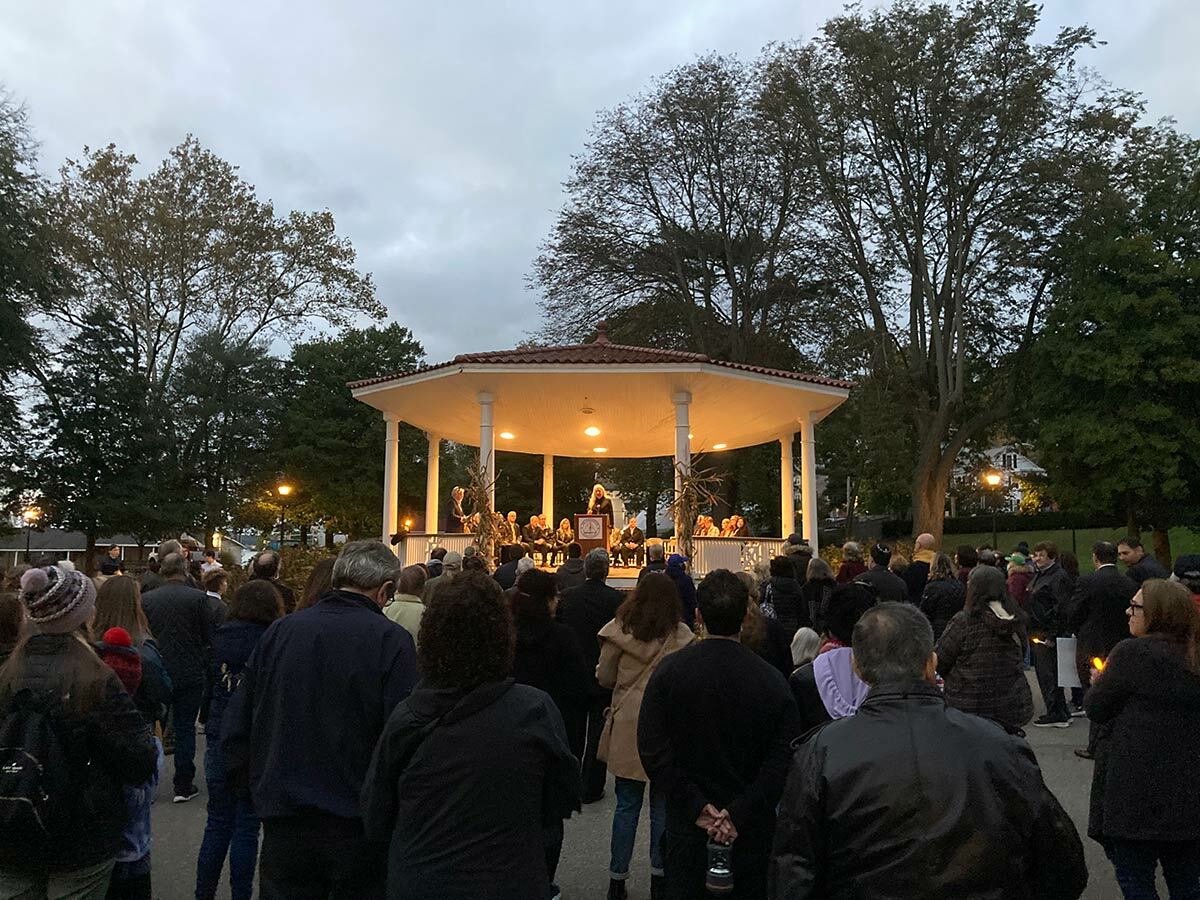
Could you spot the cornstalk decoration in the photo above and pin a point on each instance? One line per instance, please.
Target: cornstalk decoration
(697, 490)
(479, 492)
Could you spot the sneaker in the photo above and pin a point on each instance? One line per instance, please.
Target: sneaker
(555, 892)
(185, 793)
(1084, 754)
(1077, 712)
(616, 890)
(1052, 722)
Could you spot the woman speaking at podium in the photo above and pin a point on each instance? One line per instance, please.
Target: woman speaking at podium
(600, 505)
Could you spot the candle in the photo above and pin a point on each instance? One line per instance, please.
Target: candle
(1097, 664)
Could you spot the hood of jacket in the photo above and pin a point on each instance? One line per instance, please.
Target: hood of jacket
(454, 704)
(999, 619)
(642, 650)
(841, 690)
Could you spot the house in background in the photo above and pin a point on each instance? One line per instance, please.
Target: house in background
(1017, 470)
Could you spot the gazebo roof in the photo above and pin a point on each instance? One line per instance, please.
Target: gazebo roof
(544, 397)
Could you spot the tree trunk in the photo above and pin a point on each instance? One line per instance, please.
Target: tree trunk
(1131, 522)
(1161, 539)
(929, 498)
(89, 555)
(303, 535)
(328, 537)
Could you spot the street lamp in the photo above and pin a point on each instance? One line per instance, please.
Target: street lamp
(284, 491)
(993, 480)
(29, 515)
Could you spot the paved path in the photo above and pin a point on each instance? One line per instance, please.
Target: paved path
(583, 872)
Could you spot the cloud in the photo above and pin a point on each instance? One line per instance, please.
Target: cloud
(439, 135)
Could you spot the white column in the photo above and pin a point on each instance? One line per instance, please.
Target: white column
(808, 481)
(787, 485)
(548, 490)
(391, 478)
(431, 483)
(487, 445)
(683, 444)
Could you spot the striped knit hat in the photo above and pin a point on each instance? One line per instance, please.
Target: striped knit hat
(58, 600)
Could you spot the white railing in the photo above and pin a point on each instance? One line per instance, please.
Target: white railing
(416, 547)
(734, 554)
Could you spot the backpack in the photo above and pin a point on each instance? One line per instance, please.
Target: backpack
(36, 788)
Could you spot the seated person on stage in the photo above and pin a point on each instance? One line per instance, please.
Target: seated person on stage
(510, 531)
(739, 527)
(726, 528)
(564, 536)
(600, 505)
(630, 543)
(531, 537)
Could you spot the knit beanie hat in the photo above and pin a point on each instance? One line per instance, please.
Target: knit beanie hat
(118, 653)
(59, 600)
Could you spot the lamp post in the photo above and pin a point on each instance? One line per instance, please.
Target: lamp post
(993, 480)
(29, 515)
(283, 490)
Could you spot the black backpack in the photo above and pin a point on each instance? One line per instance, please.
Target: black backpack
(37, 795)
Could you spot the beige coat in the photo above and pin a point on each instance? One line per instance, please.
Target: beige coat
(406, 611)
(622, 662)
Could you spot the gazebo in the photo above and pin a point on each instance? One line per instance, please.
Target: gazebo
(585, 400)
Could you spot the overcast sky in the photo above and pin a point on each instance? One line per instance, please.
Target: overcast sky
(438, 134)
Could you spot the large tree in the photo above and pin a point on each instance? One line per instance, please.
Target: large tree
(1115, 391)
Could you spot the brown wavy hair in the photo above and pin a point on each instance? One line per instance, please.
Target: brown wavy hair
(652, 611)
(466, 635)
(119, 605)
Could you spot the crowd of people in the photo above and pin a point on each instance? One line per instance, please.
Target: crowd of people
(425, 731)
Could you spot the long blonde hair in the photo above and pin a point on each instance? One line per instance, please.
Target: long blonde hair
(592, 496)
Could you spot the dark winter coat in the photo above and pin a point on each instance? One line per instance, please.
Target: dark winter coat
(182, 622)
(1018, 586)
(1097, 610)
(1148, 568)
(816, 594)
(911, 798)
(462, 784)
(687, 593)
(505, 575)
(1049, 599)
(1146, 784)
(233, 643)
(548, 657)
(570, 575)
(314, 697)
(586, 609)
(109, 745)
(916, 577)
(982, 660)
(889, 587)
(786, 596)
(942, 600)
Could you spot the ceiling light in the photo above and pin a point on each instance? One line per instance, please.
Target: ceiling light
(507, 435)
(599, 449)
(592, 431)
(720, 446)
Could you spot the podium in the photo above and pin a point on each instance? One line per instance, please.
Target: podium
(591, 532)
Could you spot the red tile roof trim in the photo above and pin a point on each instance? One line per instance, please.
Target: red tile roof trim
(602, 353)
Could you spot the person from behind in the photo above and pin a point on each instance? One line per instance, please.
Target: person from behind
(119, 605)
(817, 592)
(1020, 573)
(714, 734)
(587, 609)
(676, 570)
(570, 573)
(889, 587)
(916, 576)
(407, 606)
(645, 630)
(912, 798)
(318, 688)
(506, 573)
(981, 654)
(1138, 565)
(852, 562)
(12, 623)
(1049, 595)
(320, 581)
(266, 566)
(800, 553)
(966, 558)
(1145, 807)
(1096, 616)
(232, 826)
(471, 766)
(656, 560)
(72, 739)
(805, 645)
(944, 595)
(827, 687)
(182, 620)
(784, 595)
(1187, 572)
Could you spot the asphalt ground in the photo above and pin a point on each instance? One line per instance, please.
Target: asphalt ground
(583, 870)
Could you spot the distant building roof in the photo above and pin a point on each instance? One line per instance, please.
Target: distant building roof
(58, 539)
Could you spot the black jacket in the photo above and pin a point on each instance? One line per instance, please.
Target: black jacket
(506, 575)
(182, 622)
(655, 565)
(1097, 610)
(1049, 599)
(570, 575)
(631, 536)
(916, 576)
(462, 784)
(233, 643)
(1148, 568)
(604, 508)
(587, 609)
(1146, 784)
(909, 798)
(803, 683)
(109, 746)
(548, 657)
(816, 594)
(790, 609)
(889, 587)
(313, 700)
(715, 727)
(942, 600)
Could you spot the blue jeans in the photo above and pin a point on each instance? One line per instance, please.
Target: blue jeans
(232, 827)
(625, 824)
(185, 706)
(1135, 863)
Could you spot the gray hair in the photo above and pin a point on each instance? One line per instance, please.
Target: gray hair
(818, 568)
(365, 565)
(524, 564)
(655, 552)
(595, 564)
(805, 645)
(452, 562)
(172, 566)
(852, 550)
(166, 548)
(892, 642)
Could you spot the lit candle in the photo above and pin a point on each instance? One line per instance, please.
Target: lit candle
(1097, 664)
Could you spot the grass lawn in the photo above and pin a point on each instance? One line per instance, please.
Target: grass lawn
(1183, 540)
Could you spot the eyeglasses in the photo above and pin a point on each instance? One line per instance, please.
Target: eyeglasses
(1137, 606)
